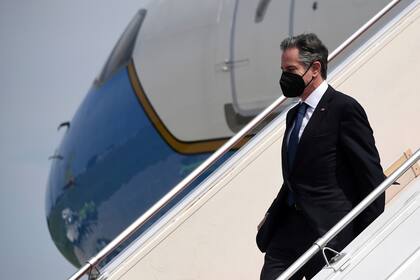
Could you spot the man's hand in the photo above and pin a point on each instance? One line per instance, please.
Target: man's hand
(262, 221)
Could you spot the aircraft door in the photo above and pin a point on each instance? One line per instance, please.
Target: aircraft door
(257, 29)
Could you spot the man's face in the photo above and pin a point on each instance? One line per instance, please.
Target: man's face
(290, 63)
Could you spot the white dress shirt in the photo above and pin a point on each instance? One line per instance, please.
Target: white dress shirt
(312, 101)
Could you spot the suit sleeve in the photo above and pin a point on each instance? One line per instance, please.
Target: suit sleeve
(277, 202)
(360, 152)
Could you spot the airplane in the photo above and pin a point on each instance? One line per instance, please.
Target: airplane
(183, 78)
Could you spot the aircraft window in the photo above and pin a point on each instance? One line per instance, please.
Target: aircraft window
(123, 50)
(261, 9)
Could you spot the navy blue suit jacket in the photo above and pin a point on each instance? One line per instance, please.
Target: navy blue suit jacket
(336, 166)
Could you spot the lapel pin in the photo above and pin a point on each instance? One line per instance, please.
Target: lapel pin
(322, 109)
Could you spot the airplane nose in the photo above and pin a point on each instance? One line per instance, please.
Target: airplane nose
(114, 163)
(114, 166)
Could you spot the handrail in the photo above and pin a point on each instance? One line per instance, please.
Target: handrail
(363, 29)
(322, 242)
(165, 200)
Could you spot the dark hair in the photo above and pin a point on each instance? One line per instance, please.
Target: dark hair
(310, 48)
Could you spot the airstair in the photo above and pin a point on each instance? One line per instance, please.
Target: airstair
(390, 247)
(210, 234)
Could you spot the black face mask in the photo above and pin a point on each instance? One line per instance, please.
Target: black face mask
(292, 84)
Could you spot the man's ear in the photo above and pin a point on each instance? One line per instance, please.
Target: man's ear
(316, 68)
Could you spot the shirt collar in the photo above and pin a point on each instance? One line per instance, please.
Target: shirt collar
(314, 98)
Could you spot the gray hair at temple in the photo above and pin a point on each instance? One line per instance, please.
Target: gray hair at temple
(310, 49)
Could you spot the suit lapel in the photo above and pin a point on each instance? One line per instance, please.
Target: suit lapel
(318, 116)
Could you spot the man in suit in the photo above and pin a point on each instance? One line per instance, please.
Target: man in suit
(329, 160)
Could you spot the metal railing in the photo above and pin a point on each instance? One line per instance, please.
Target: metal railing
(363, 29)
(231, 143)
(165, 200)
(322, 242)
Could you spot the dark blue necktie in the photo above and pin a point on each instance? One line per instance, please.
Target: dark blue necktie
(293, 143)
(294, 135)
